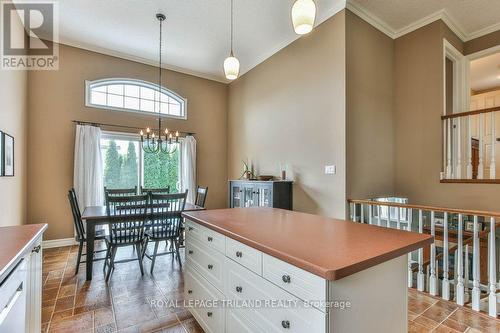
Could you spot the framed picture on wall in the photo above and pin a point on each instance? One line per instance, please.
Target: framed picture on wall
(1, 153)
(8, 155)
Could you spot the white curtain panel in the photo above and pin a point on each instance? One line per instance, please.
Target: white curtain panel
(88, 169)
(188, 167)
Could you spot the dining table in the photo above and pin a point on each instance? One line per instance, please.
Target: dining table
(94, 216)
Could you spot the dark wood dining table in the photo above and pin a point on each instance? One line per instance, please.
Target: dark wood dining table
(97, 215)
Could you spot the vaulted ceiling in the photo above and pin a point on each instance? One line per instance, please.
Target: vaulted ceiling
(197, 31)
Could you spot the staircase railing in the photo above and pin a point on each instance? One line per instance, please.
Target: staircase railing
(444, 268)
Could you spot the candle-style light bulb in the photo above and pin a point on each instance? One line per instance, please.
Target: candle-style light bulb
(148, 130)
(177, 133)
(166, 130)
(153, 135)
(142, 133)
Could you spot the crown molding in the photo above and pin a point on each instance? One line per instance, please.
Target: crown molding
(126, 56)
(442, 14)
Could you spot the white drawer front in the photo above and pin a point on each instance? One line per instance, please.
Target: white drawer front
(238, 321)
(304, 285)
(244, 255)
(205, 260)
(242, 284)
(207, 236)
(212, 319)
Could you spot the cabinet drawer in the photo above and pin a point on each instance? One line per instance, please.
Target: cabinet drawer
(244, 255)
(201, 295)
(304, 285)
(239, 321)
(207, 236)
(242, 284)
(205, 260)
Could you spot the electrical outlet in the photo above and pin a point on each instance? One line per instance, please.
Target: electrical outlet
(330, 169)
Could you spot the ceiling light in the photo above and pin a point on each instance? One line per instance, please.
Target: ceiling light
(231, 64)
(303, 16)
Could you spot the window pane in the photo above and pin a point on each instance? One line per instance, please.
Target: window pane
(161, 170)
(115, 101)
(164, 108)
(98, 98)
(132, 91)
(175, 109)
(147, 106)
(116, 89)
(147, 93)
(132, 103)
(100, 88)
(120, 163)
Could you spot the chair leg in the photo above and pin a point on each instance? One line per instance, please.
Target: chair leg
(79, 258)
(107, 257)
(144, 250)
(111, 262)
(153, 259)
(139, 257)
(177, 245)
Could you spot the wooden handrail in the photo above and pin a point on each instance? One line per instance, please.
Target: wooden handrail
(426, 208)
(470, 113)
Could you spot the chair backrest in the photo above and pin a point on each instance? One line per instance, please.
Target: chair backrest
(166, 211)
(120, 192)
(201, 196)
(77, 217)
(127, 216)
(164, 190)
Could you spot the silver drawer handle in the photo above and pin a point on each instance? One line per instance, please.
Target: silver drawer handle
(210, 239)
(286, 278)
(285, 324)
(209, 314)
(36, 249)
(239, 254)
(239, 289)
(190, 251)
(190, 291)
(210, 266)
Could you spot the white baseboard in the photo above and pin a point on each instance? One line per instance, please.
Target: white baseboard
(47, 244)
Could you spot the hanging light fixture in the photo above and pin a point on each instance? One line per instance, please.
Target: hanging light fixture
(231, 64)
(303, 16)
(159, 141)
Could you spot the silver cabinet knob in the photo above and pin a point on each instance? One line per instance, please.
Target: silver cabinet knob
(209, 314)
(239, 289)
(190, 251)
(286, 278)
(190, 291)
(210, 239)
(239, 254)
(210, 266)
(36, 249)
(285, 324)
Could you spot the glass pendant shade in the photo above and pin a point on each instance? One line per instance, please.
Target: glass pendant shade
(303, 16)
(231, 67)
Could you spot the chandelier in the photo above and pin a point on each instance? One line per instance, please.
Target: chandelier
(159, 141)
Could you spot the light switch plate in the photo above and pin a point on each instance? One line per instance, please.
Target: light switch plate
(330, 169)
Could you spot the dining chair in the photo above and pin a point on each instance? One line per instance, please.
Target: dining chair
(165, 190)
(127, 218)
(120, 192)
(80, 236)
(165, 225)
(201, 196)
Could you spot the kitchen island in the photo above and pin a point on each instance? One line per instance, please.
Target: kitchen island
(273, 270)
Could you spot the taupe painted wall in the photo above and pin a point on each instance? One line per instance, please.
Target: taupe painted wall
(13, 121)
(291, 108)
(481, 43)
(370, 116)
(419, 93)
(57, 97)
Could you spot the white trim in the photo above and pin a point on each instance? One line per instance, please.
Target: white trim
(48, 244)
(141, 83)
(370, 18)
(442, 14)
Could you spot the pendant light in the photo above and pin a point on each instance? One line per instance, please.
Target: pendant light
(303, 16)
(231, 64)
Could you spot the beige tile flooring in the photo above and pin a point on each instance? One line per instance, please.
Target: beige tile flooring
(70, 304)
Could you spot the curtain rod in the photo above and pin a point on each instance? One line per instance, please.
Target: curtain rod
(80, 122)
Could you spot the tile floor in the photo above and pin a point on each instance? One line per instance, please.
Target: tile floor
(70, 304)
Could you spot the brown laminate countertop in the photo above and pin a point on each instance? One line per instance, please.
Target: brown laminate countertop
(329, 248)
(14, 241)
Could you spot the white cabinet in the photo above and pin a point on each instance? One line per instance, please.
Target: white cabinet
(21, 292)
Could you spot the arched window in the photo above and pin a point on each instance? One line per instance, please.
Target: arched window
(134, 96)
